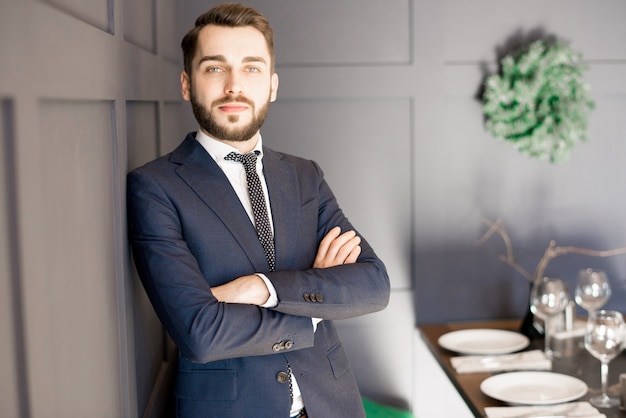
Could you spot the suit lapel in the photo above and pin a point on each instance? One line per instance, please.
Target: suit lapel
(282, 184)
(202, 174)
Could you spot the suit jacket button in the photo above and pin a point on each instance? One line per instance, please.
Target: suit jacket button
(276, 347)
(282, 377)
(319, 298)
(288, 344)
(307, 297)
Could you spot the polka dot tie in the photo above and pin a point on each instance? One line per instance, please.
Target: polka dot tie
(259, 206)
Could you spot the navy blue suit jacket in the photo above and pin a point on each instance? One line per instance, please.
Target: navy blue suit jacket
(189, 232)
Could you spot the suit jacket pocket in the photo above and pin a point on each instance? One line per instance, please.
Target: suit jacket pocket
(207, 385)
(338, 359)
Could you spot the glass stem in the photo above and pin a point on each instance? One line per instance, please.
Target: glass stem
(547, 334)
(604, 372)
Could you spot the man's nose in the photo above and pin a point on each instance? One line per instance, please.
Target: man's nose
(233, 84)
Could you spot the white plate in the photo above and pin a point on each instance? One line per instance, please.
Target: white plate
(483, 341)
(533, 388)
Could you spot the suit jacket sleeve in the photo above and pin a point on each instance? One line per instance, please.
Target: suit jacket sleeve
(332, 293)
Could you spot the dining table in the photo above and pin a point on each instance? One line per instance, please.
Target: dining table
(573, 360)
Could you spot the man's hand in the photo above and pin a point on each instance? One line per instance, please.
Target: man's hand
(245, 289)
(337, 248)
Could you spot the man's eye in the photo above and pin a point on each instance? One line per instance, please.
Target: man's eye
(253, 70)
(213, 70)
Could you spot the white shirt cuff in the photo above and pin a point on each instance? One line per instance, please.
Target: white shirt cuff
(272, 301)
(315, 322)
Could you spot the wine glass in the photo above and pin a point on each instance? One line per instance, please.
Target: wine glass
(548, 298)
(604, 339)
(592, 289)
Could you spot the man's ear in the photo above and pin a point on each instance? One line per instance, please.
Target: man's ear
(273, 87)
(185, 86)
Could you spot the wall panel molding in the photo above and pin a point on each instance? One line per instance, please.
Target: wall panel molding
(98, 13)
(68, 86)
(140, 23)
(13, 366)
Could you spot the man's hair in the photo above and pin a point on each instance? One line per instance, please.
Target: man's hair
(231, 15)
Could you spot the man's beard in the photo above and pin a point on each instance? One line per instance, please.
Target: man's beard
(224, 132)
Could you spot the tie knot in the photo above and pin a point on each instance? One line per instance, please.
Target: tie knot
(248, 160)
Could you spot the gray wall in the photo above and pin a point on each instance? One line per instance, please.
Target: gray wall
(87, 90)
(381, 94)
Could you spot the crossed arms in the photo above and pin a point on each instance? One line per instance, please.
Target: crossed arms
(336, 248)
(186, 257)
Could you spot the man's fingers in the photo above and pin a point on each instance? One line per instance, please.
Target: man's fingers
(336, 248)
(354, 255)
(345, 248)
(327, 241)
(338, 243)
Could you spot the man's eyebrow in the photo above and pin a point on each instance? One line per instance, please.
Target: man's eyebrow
(254, 59)
(222, 58)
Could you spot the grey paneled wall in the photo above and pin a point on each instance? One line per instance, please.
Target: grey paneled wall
(76, 297)
(140, 23)
(96, 13)
(171, 130)
(87, 88)
(381, 94)
(594, 28)
(341, 33)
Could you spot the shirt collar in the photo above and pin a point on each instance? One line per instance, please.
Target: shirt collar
(218, 149)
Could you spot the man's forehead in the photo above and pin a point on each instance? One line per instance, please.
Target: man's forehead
(231, 42)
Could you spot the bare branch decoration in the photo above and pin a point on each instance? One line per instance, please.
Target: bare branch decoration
(553, 251)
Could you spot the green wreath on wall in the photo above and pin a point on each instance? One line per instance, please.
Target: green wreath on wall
(539, 102)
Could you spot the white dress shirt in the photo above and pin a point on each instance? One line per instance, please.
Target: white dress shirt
(236, 175)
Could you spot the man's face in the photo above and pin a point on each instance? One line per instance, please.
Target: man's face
(231, 82)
